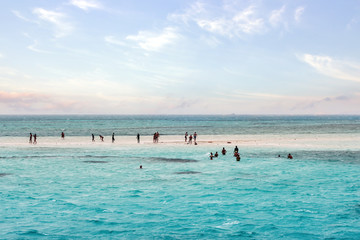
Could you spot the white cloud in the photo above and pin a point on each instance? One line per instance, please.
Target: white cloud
(233, 19)
(222, 21)
(333, 68)
(19, 15)
(276, 16)
(190, 14)
(243, 22)
(113, 40)
(298, 13)
(247, 22)
(86, 4)
(62, 28)
(352, 23)
(151, 41)
(33, 47)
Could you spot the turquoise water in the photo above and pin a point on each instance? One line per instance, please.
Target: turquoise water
(84, 125)
(95, 191)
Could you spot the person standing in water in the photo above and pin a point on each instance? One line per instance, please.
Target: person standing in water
(62, 135)
(101, 138)
(186, 135)
(93, 137)
(138, 138)
(35, 142)
(113, 138)
(30, 139)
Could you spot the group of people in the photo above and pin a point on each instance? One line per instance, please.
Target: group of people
(236, 153)
(223, 152)
(156, 137)
(31, 139)
(191, 137)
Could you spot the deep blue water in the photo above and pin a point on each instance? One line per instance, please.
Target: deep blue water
(99, 192)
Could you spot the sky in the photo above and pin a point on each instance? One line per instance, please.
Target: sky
(180, 57)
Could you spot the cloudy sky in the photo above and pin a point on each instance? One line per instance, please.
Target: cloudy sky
(180, 57)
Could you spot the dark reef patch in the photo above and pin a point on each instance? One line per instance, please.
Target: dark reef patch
(4, 174)
(95, 161)
(180, 160)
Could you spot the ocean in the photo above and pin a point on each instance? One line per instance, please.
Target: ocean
(74, 188)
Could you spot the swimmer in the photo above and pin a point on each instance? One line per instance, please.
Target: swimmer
(238, 158)
(236, 149)
(211, 156)
(140, 166)
(290, 156)
(223, 151)
(216, 154)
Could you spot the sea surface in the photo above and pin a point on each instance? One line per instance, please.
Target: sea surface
(98, 191)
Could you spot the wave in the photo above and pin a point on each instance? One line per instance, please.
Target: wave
(187, 172)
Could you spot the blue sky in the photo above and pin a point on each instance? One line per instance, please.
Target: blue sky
(180, 57)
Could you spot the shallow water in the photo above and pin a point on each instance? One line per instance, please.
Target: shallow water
(179, 193)
(86, 191)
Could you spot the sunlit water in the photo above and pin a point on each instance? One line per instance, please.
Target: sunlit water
(97, 190)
